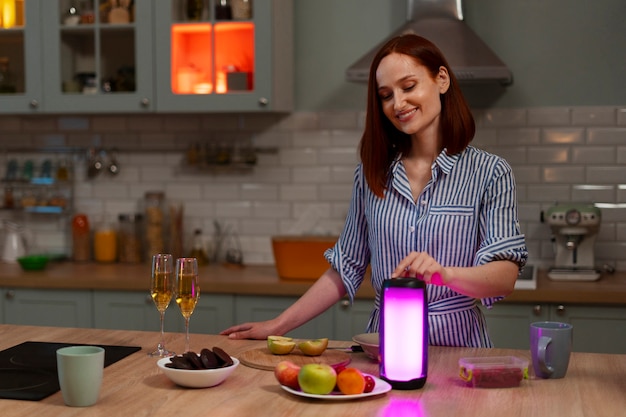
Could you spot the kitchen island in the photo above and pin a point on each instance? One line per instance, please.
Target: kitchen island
(595, 385)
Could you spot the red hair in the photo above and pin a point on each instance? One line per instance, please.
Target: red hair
(381, 142)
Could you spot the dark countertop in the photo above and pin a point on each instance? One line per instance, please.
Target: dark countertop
(610, 289)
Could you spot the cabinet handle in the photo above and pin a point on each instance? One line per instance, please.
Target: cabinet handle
(9, 295)
(560, 310)
(263, 101)
(145, 102)
(537, 310)
(345, 304)
(33, 104)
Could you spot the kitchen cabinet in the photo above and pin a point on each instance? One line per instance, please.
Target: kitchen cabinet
(69, 308)
(133, 310)
(151, 59)
(213, 314)
(340, 322)
(259, 308)
(351, 320)
(600, 329)
(21, 78)
(100, 63)
(209, 63)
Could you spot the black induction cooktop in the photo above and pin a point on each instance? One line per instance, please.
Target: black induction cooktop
(28, 371)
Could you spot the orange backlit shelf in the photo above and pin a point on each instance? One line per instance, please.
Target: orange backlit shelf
(212, 58)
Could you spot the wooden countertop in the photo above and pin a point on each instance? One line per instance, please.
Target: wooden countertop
(594, 385)
(610, 289)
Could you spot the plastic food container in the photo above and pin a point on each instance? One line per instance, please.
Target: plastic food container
(493, 372)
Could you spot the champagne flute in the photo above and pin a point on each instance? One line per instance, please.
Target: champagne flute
(187, 290)
(162, 291)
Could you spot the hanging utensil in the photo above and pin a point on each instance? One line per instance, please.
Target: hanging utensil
(113, 167)
(94, 164)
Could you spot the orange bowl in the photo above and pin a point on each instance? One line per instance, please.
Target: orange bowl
(301, 257)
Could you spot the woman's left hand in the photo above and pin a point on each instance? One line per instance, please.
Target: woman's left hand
(422, 266)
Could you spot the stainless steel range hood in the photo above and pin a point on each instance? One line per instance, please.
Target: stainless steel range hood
(441, 21)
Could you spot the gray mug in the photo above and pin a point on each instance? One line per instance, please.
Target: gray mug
(550, 348)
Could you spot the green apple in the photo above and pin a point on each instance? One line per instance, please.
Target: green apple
(286, 372)
(317, 378)
(313, 347)
(280, 345)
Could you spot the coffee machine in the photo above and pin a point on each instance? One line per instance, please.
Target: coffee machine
(574, 229)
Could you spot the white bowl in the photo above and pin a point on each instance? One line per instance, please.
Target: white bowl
(369, 343)
(197, 378)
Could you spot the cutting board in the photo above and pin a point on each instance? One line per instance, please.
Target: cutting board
(262, 358)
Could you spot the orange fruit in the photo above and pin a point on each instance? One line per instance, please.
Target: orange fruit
(351, 381)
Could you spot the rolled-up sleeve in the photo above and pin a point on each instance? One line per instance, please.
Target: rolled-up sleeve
(350, 255)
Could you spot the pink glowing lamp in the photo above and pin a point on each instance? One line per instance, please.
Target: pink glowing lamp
(404, 333)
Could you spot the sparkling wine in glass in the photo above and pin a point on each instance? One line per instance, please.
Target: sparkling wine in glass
(162, 291)
(187, 290)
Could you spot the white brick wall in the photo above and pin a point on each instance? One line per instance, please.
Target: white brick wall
(557, 153)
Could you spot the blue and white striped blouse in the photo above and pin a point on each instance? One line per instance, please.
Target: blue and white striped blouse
(465, 216)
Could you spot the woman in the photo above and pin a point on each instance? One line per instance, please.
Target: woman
(425, 204)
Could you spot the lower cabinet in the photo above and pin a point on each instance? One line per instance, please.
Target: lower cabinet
(340, 322)
(351, 320)
(132, 310)
(598, 329)
(259, 308)
(65, 308)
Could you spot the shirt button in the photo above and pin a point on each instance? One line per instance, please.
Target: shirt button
(423, 203)
(411, 229)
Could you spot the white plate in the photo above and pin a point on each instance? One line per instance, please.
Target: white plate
(381, 387)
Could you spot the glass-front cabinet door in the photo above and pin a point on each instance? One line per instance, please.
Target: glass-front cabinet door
(221, 55)
(97, 55)
(20, 58)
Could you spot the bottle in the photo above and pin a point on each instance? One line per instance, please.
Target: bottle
(105, 243)
(80, 238)
(223, 10)
(198, 249)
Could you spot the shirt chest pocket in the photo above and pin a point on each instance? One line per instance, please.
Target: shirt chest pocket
(453, 211)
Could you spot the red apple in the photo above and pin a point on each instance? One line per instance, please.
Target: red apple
(317, 378)
(286, 372)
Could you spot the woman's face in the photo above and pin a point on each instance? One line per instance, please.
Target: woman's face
(409, 95)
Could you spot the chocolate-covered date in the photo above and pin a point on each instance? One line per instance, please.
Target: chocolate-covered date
(223, 357)
(207, 359)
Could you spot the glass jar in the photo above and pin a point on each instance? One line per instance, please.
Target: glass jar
(130, 247)
(154, 223)
(195, 9)
(105, 243)
(242, 9)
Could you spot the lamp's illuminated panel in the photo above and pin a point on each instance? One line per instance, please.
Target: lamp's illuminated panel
(404, 333)
(212, 58)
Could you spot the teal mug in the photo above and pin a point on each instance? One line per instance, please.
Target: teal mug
(80, 370)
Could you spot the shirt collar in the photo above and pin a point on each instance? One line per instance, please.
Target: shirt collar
(444, 161)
